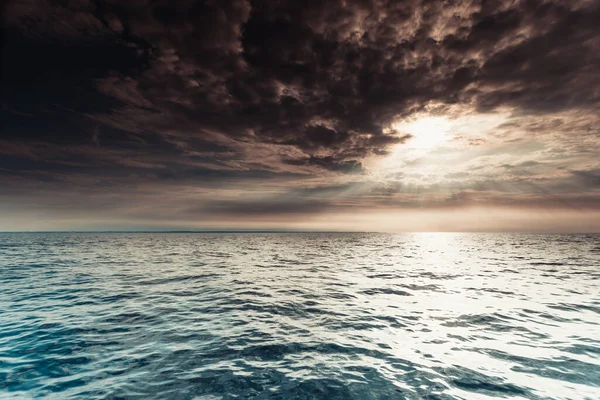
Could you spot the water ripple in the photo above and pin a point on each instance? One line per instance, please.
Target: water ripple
(299, 316)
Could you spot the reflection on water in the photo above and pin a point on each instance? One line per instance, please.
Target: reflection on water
(299, 316)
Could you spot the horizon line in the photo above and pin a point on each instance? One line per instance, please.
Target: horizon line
(225, 231)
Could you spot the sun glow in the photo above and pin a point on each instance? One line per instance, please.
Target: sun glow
(436, 145)
(426, 132)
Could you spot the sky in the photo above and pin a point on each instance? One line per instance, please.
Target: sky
(368, 115)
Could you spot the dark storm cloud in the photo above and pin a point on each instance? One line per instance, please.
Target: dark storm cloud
(227, 91)
(51, 58)
(317, 75)
(553, 68)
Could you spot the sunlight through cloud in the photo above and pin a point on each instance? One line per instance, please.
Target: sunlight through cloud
(438, 145)
(426, 132)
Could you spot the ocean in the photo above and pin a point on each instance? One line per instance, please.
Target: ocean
(299, 316)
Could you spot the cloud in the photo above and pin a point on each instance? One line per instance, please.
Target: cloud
(231, 92)
(590, 179)
(263, 208)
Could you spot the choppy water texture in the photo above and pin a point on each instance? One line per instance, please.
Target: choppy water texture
(299, 316)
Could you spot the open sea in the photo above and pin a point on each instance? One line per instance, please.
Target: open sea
(299, 316)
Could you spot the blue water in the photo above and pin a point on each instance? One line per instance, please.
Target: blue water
(299, 316)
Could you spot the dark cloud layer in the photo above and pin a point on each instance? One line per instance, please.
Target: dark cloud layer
(196, 92)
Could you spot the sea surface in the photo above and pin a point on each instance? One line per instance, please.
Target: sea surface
(299, 316)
